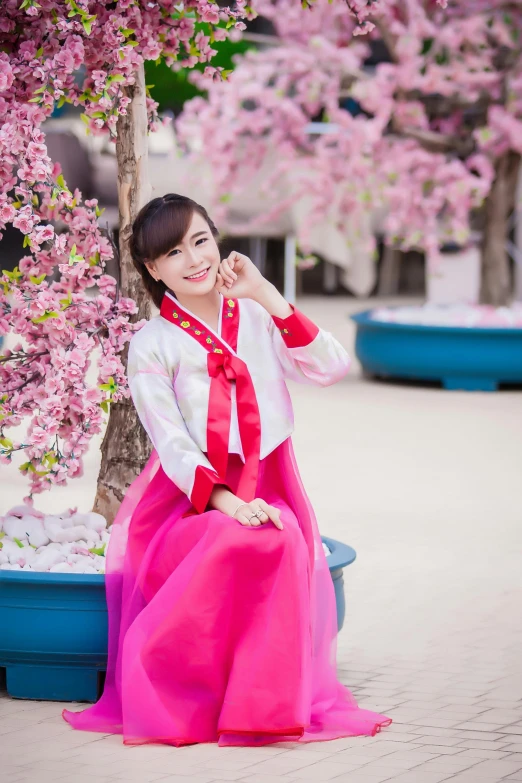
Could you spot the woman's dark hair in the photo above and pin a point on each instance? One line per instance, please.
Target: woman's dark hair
(159, 226)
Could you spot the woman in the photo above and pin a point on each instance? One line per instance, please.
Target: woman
(222, 621)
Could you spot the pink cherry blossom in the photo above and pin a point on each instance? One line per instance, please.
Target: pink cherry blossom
(379, 161)
(44, 377)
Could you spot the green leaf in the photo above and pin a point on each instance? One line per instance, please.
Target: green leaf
(116, 77)
(37, 280)
(66, 302)
(104, 406)
(74, 257)
(27, 241)
(49, 458)
(18, 542)
(87, 23)
(84, 118)
(15, 275)
(60, 181)
(98, 550)
(45, 317)
(110, 386)
(6, 443)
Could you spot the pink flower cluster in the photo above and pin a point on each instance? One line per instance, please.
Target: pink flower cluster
(462, 56)
(67, 312)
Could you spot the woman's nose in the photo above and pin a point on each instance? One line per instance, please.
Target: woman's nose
(192, 258)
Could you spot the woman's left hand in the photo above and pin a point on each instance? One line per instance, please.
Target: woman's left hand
(238, 277)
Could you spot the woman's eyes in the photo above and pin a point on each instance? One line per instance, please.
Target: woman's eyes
(203, 239)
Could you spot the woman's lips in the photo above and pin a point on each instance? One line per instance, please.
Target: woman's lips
(197, 279)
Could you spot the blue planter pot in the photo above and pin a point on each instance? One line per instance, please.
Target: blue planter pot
(341, 556)
(468, 358)
(53, 629)
(53, 634)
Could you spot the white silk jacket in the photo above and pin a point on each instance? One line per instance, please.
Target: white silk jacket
(186, 381)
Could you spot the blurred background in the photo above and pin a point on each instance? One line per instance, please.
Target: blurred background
(89, 164)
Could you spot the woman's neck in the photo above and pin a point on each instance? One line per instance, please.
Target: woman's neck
(205, 307)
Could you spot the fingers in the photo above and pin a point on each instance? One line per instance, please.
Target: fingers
(243, 519)
(226, 270)
(258, 513)
(271, 512)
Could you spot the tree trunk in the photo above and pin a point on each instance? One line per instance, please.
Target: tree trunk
(495, 288)
(126, 448)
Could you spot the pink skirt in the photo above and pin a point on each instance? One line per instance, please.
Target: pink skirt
(220, 632)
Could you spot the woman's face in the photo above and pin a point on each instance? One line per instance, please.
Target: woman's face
(191, 267)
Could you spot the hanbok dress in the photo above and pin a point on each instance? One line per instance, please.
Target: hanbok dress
(220, 632)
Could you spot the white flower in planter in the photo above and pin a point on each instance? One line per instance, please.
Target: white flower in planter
(64, 530)
(66, 542)
(29, 528)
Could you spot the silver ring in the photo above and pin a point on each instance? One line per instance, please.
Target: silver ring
(258, 513)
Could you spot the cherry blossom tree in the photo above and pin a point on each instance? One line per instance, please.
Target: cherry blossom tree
(89, 54)
(67, 312)
(438, 137)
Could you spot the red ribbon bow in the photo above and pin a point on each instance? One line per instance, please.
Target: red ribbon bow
(223, 369)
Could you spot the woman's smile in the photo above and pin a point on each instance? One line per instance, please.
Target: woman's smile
(199, 275)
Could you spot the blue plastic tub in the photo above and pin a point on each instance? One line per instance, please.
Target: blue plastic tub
(467, 358)
(341, 556)
(53, 630)
(53, 634)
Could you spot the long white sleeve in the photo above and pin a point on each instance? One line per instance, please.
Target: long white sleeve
(153, 395)
(307, 353)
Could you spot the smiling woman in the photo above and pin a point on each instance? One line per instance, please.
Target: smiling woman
(222, 612)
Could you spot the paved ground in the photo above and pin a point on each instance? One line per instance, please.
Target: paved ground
(425, 485)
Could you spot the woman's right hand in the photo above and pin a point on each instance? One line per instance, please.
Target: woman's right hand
(265, 512)
(225, 501)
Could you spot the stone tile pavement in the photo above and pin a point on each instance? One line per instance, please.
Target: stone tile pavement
(425, 485)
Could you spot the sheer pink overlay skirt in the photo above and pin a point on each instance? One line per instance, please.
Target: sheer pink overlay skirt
(220, 632)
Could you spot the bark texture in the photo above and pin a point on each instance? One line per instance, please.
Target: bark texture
(496, 286)
(126, 447)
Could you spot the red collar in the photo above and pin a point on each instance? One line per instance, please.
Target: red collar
(203, 334)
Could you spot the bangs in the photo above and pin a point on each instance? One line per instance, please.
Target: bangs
(166, 228)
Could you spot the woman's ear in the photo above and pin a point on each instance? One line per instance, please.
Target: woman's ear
(151, 269)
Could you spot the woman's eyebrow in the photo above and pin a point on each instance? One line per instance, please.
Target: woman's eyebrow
(197, 234)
